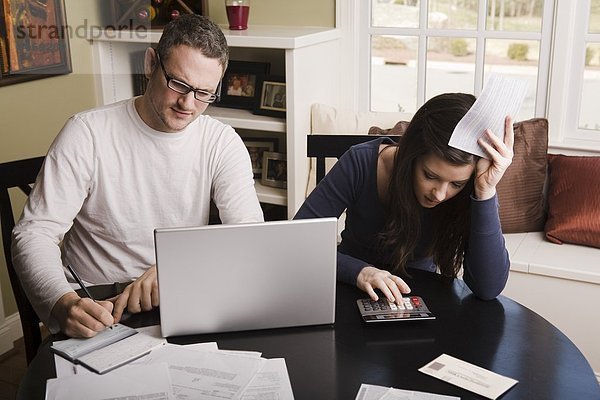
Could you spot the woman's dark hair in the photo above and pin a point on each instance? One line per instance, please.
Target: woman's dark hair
(429, 133)
(195, 31)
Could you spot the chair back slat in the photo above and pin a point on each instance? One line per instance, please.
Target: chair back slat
(333, 146)
(19, 174)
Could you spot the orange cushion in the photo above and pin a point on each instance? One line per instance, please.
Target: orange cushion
(574, 200)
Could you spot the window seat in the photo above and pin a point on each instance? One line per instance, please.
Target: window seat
(562, 284)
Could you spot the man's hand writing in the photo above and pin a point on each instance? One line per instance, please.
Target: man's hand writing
(82, 317)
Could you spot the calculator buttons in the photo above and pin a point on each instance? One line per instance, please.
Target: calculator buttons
(410, 308)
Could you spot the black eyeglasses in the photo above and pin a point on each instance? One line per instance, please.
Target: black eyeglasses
(183, 88)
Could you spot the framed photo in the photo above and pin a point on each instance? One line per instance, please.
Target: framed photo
(274, 172)
(34, 40)
(272, 100)
(238, 87)
(257, 148)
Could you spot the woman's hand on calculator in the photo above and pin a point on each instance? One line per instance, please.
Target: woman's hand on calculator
(391, 286)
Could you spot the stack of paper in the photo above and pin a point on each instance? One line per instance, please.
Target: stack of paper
(199, 371)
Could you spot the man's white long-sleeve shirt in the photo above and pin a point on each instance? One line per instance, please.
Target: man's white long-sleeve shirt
(108, 181)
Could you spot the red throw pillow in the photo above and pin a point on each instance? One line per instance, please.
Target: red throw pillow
(574, 200)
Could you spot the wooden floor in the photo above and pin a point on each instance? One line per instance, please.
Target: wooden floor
(13, 365)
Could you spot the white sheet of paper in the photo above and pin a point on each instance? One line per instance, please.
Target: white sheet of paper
(400, 394)
(468, 376)
(370, 392)
(271, 382)
(375, 392)
(131, 382)
(501, 96)
(152, 330)
(205, 375)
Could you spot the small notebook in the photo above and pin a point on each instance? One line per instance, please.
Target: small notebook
(113, 347)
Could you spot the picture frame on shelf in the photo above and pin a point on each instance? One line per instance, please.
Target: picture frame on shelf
(274, 171)
(34, 41)
(256, 147)
(238, 86)
(272, 98)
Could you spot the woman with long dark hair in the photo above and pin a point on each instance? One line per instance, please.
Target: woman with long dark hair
(419, 204)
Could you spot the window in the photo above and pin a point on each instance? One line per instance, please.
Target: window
(411, 50)
(575, 77)
(422, 48)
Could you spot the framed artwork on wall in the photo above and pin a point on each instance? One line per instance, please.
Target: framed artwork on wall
(238, 87)
(34, 40)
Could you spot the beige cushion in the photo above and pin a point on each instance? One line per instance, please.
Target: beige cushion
(328, 119)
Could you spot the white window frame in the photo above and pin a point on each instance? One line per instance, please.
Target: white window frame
(559, 89)
(564, 97)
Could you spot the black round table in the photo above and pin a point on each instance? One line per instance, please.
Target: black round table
(331, 362)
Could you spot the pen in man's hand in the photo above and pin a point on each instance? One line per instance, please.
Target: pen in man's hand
(80, 282)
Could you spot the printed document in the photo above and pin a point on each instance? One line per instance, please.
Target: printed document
(271, 382)
(130, 382)
(206, 375)
(468, 376)
(501, 96)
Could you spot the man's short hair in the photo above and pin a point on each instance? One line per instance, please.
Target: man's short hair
(195, 31)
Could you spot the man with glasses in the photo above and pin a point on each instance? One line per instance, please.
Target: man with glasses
(115, 173)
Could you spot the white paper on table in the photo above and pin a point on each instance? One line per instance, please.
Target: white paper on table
(140, 381)
(370, 392)
(501, 96)
(374, 392)
(400, 394)
(152, 330)
(206, 346)
(271, 382)
(468, 376)
(205, 375)
(256, 354)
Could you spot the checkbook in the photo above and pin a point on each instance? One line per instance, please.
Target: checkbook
(115, 346)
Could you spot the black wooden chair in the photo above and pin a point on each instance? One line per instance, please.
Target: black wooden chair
(333, 146)
(19, 174)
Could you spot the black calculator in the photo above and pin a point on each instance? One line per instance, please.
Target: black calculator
(410, 309)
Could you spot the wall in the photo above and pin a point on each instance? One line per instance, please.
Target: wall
(32, 113)
(281, 12)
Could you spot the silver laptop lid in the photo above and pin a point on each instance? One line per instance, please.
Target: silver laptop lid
(222, 278)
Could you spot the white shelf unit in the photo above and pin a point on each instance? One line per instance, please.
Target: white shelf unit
(307, 56)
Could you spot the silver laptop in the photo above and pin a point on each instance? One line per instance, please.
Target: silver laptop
(223, 278)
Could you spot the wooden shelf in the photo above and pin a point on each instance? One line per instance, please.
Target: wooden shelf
(263, 36)
(270, 195)
(245, 119)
